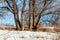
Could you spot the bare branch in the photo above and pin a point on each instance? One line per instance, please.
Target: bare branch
(44, 8)
(56, 12)
(7, 9)
(10, 8)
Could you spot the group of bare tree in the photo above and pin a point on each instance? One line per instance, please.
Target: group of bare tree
(36, 11)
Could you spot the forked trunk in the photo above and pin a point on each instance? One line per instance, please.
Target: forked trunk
(16, 16)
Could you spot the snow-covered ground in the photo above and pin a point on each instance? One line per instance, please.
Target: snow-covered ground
(27, 35)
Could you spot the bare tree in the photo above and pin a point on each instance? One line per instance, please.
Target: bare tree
(24, 3)
(34, 13)
(16, 16)
(43, 9)
(34, 16)
(30, 14)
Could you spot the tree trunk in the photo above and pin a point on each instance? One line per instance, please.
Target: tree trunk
(22, 21)
(40, 14)
(34, 12)
(16, 21)
(16, 16)
(30, 14)
(23, 15)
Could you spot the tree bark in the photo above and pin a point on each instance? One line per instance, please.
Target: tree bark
(16, 16)
(30, 14)
(24, 3)
(34, 13)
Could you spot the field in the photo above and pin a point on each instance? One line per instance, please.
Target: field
(43, 33)
(27, 35)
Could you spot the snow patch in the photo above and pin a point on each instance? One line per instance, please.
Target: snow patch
(27, 35)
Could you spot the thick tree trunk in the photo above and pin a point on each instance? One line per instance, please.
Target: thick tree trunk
(34, 13)
(30, 16)
(22, 21)
(17, 21)
(16, 16)
(23, 15)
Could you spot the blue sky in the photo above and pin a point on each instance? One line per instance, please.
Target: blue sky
(9, 19)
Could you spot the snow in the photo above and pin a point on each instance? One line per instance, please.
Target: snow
(27, 35)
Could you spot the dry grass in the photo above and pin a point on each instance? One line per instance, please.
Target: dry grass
(47, 29)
